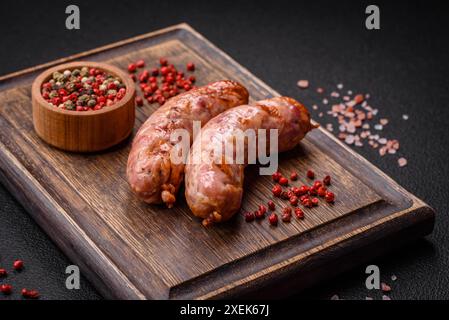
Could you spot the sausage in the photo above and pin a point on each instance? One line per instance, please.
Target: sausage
(214, 189)
(150, 171)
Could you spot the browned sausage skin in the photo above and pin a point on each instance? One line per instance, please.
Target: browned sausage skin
(214, 190)
(150, 171)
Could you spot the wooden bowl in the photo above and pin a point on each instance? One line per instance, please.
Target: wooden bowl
(83, 131)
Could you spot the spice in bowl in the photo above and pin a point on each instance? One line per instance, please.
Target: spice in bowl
(83, 89)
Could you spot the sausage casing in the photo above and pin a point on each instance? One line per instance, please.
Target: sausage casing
(214, 190)
(150, 171)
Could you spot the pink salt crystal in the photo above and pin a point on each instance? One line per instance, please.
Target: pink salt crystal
(303, 84)
(383, 121)
(391, 151)
(349, 139)
(319, 90)
(402, 162)
(385, 287)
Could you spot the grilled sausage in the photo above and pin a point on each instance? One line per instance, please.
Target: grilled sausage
(214, 188)
(150, 171)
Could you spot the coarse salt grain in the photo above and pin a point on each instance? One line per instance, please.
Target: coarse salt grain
(349, 139)
(383, 121)
(402, 162)
(405, 116)
(325, 101)
(378, 126)
(319, 90)
(340, 86)
(315, 107)
(394, 278)
(303, 84)
(335, 297)
(384, 297)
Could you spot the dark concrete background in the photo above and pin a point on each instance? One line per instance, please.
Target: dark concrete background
(403, 66)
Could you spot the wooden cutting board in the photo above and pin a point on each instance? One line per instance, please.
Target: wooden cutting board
(132, 250)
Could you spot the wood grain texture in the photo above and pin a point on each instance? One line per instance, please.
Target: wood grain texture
(133, 250)
(85, 131)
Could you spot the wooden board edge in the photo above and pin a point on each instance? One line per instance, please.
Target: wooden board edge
(83, 54)
(403, 226)
(417, 206)
(120, 286)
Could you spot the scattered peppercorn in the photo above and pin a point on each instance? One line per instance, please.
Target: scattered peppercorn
(163, 61)
(140, 63)
(286, 217)
(6, 289)
(262, 209)
(329, 197)
(327, 180)
(313, 191)
(271, 205)
(273, 219)
(190, 66)
(283, 181)
(299, 213)
(277, 190)
(276, 176)
(307, 203)
(293, 176)
(139, 101)
(30, 294)
(314, 201)
(317, 184)
(293, 200)
(172, 82)
(132, 67)
(249, 216)
(322, 191)
(18, 265)
(259, 214)
(310, 174)
(3, 273)
(285, 195)
(303, 190)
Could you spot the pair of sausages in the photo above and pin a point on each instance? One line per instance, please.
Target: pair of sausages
(213, 190)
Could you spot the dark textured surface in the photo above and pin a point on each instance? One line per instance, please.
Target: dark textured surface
(403, 66)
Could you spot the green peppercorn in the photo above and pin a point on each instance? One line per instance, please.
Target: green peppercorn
(84, 71)
(69, 105)
(91, 103)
